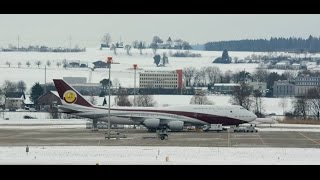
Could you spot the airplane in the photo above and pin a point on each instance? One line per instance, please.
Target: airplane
(158, 118)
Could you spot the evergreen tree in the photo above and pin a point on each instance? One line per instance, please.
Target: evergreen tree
(105, 84)
(225, 59)
(157, 59)
(291, 44)
(36, 92)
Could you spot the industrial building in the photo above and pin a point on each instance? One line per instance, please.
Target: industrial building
(161, 79)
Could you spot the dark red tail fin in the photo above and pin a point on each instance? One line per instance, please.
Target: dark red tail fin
(69, 94)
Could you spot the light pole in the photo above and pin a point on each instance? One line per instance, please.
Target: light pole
(134, 86)
(109, 66)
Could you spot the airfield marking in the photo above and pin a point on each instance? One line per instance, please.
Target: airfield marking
(228, 139)
(309, 138)
(261, 139)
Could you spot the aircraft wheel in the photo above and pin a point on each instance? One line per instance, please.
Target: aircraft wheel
(162, 137)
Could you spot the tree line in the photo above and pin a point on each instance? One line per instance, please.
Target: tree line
(292, 44)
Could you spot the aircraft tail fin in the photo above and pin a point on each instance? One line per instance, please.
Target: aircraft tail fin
(69, 94)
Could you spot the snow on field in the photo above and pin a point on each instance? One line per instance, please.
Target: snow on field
(108, 155)
(120, 71)
(21, 114)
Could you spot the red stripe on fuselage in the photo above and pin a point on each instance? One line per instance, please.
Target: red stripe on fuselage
(208, 118)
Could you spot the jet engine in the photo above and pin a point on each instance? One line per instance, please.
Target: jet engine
(151, 123)
(175, 125)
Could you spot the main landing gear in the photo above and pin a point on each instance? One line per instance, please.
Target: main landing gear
(162, 133)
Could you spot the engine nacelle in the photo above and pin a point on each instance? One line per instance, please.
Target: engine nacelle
(175, 125)
(151, 123)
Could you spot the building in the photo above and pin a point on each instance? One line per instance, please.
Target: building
(88, 88)
(79, 83)
(14, 100)
(161, 79)
(224, 88)
(304, 83)
(75, 80)
(282, 65)
(295, 66)
(99, 64)
(48, 101)
(283, 88)
(261, 86)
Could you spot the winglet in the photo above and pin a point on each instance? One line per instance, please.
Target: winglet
(69, 94)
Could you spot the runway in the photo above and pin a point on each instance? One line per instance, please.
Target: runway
(70, 135)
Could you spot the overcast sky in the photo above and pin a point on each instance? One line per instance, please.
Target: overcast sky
(87, 30)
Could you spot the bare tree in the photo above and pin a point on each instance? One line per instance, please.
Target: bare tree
(141, 46)
(200, 98)
(197, 78)
(260, 75)
(135, 44)
(122, 98)
(290, 74)
(145, 101)
(48, 63)
(106, 39)
(241, 96)
(227, 77)
(28, 63)
(58, 64)
(314, 101)
(19, 64)
(116, 82)
(154, 47)
(92, 100)
(8, 63)
(9, 86)
(202, 75)
(65, 63)
(157, 40)
(114, 48)
(257, 95)
(213, 74)
(283, 103)
(301, 107)
(21, 85)
(38, 63)
(188, 74)
(128, 48)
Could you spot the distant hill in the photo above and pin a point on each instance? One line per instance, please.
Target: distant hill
(292, 44)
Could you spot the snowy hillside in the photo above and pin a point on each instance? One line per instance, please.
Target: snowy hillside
(120, 71)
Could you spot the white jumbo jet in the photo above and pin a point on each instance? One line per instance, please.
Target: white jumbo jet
(172, 117)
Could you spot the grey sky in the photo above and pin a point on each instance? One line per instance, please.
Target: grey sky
(87, 30)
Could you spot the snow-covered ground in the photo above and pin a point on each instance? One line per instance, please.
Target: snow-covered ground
(120, 71)
(108, 155)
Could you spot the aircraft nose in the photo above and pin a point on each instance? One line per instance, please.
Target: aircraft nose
(252, 116)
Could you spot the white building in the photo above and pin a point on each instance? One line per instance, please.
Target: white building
(304, 83)
(282, 65)
(225, 88)
(295, 66)
(14, 100)
(161, 79)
